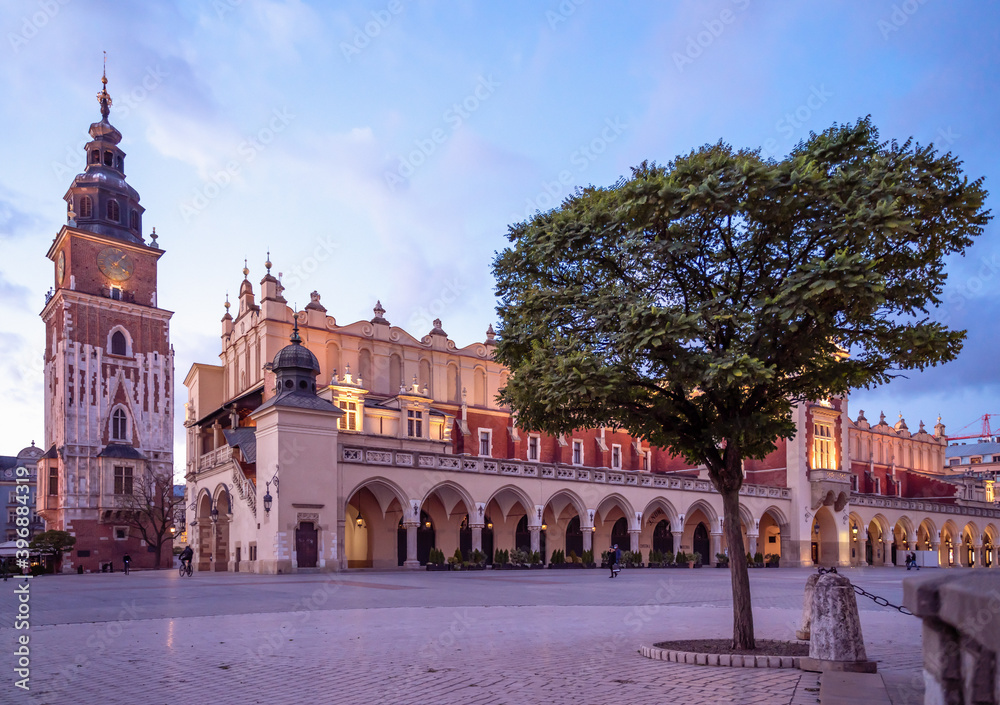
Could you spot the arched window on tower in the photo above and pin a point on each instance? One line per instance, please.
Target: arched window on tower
(133, 217)
(113, 213)
(95, 156)
(108, 159)
(86, 207)
(119, 425)
(118, 346)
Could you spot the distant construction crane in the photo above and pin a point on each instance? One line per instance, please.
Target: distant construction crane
(985, 435)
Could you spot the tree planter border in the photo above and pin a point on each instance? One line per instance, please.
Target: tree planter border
(729, 660)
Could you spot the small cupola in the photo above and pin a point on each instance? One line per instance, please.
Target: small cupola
(295, 367)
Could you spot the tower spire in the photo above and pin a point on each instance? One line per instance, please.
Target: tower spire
(103, 98)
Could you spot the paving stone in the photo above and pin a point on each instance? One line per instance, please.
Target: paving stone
(431, 638)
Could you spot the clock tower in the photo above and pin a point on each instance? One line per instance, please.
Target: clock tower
(109, 365)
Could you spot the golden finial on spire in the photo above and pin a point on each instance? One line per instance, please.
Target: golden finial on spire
(103, 97)
(246, 270)
(268, 262)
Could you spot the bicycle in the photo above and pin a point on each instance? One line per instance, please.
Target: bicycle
(186, 569)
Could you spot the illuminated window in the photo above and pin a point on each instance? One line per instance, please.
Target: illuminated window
(975, 460)
(578, 452)
(414, 423)
(119, 425)
(532, 447)
(823, 446)
(349, 421)
(86, 207)
(990, 497)
(616, 457)
(113, 213)
(123, 480)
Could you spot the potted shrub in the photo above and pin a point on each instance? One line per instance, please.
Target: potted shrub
(694, 560)
(723, 560)
(587, 559)
(558, 559)
(605, 559)
(668, 559)
(435, 560)
(750, 561)
(771, 560)
(758, 559)
(655, 559)
(680, 560)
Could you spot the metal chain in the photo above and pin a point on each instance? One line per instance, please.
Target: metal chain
(881, 601)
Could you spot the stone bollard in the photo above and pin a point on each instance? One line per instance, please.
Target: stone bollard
(807, 606)
(836, 643)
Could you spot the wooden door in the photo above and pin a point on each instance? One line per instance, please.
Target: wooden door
(306, 544)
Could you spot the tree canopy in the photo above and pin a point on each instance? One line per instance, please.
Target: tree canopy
(695, 303)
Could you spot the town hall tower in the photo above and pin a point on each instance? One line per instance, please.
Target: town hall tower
(109, 364)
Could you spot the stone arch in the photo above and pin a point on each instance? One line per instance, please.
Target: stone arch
(365, 372)
(882, 523)
(557, 513)
(779, 516)
(373, 542)
(203, 541)
(502, 510)
(384, 491)
(707, 509)
(610, 502)
(856, 532)
(903, 539)
(506, 496)
(223, 502)
(396, 373)
(949, 552)
(971, 536)
(769, 531)
(825, 544)
(666, 507)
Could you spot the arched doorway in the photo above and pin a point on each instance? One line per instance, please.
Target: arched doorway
(522, 537)
(701, 543)
(425, 539)
(663, 539)
(574, 537)
(306, 545)
(619, 535)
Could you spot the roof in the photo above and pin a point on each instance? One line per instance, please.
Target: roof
(245, 439)
(972, 449)
(7, 461)
(295, 356)
(299, 400)
(121, 450)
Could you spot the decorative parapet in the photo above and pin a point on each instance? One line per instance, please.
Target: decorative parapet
(961, 614)
(860, 500)
(569, 473)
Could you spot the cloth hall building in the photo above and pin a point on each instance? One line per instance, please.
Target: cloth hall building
(319, 446)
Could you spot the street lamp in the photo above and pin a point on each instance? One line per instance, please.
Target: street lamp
(215, 515)
(267, 497)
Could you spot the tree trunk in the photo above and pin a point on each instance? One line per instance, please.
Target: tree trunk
(743, 637)
(159, 549)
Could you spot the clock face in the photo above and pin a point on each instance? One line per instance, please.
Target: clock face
(61, 267)
(115, 264)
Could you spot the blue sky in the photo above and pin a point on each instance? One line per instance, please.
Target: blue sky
(380, 150)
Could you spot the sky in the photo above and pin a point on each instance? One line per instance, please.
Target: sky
(380, 150)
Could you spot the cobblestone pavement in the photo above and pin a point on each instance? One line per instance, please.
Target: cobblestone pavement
(394, 637)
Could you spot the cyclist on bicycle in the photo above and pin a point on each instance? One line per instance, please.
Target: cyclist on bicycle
(186, 555)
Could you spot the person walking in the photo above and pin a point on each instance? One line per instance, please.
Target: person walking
(612, 560)
(126, 559)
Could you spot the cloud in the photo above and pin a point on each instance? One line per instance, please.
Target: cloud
(15, 222)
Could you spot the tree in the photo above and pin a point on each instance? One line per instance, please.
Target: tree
(694, 305)
(52, 543)
(150, 508)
